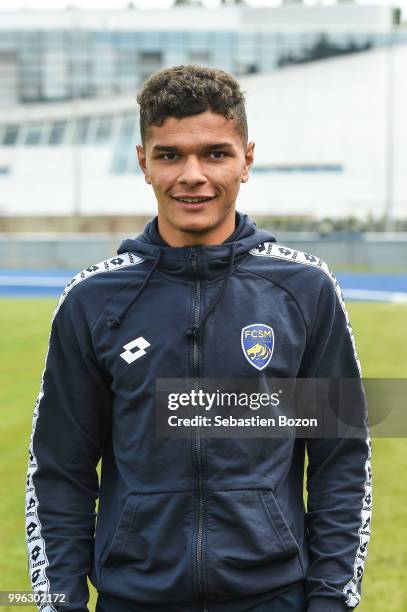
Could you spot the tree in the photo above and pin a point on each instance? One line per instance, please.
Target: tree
(187, 3)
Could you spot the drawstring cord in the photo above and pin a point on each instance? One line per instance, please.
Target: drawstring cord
(114, 321)
(194, 329)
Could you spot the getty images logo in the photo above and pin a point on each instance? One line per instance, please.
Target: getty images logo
(129, 354)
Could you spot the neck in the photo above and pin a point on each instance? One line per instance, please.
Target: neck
(175, 237)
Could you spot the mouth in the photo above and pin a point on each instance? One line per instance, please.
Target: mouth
(198, 201)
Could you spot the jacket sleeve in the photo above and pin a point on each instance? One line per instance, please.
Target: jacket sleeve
(339, 471)
(71, 417)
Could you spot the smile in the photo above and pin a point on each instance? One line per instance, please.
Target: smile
(195, 200)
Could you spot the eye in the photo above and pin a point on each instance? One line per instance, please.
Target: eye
(218, 154)
(169, 156)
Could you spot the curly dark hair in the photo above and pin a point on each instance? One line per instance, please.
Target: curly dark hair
(182, 91)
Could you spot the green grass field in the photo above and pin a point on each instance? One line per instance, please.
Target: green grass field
(381, 338)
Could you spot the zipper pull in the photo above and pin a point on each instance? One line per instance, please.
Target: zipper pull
(193, 332)
(194, 257)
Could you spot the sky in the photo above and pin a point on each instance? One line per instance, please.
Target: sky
(150, 4)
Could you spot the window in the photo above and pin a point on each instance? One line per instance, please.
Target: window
(33, 135)
(197, 40)
(153, 57)
(247, 67)
(57, 133)
(199, 57)
(222, 38)
(8, 77)
(31, 40)
(104, 38)
(7, 40)
(124, 147)
(81, 131)
(247, 38)
(55, 38)
(148, 63)
(176, 41)
(125, 39)
(151, 41)
(10, 135)
(103, 130)
(126, 63)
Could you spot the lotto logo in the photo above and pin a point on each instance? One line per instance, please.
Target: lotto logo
(129, 355)
(31, 528)
(35, 553)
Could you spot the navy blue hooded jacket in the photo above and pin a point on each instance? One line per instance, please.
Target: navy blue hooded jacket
(184, 525)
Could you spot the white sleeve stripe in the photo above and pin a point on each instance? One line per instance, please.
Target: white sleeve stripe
(273, 250)
(37, 558)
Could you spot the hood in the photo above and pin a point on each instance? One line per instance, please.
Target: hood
(207, 262)
(212, 260)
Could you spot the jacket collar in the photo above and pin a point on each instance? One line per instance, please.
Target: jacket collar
(211, 261)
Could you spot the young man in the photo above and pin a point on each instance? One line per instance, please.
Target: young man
(198, 524)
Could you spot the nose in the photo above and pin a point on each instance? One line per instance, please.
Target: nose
(191, 172)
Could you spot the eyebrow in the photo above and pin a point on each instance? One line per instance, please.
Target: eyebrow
(209, 147)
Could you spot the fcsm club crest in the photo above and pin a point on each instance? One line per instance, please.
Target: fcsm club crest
(258, 344)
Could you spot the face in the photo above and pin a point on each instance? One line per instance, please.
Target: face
(195, 166)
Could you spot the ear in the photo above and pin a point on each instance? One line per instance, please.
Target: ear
(249, 158)
(141, 154)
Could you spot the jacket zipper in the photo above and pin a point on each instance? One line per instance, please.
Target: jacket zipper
(198, 453)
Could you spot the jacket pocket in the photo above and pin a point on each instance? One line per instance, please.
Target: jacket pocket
(250, 548)
(278, 522)
(123, 529)
(148, 556)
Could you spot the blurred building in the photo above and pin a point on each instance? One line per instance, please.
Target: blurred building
(329, 125)
(76, 54)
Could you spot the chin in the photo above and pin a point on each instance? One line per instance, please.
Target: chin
(195, 228)
(193, 224)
